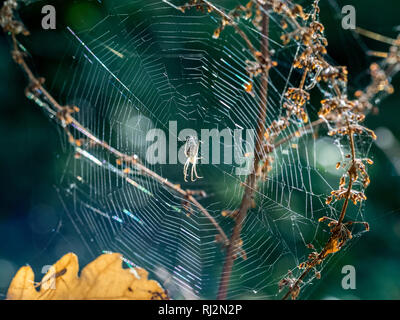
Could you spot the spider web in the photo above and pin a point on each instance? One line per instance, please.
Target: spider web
(146, 65)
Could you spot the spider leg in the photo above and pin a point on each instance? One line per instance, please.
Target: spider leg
(192, 172)
(186, 148)
(185, 169)
(195, 172)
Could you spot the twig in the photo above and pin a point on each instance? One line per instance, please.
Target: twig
(251, 181)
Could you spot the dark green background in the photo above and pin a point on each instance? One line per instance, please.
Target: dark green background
(33, 229)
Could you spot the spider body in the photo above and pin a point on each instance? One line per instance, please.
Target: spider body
(191, 151)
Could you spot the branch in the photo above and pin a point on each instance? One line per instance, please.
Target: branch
(251, 181)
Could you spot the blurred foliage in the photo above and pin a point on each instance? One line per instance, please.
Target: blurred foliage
(32, 225)
(102, 279)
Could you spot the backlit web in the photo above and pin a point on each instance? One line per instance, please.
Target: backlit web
(145, 65)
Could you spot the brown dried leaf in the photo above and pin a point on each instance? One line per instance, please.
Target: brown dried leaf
(102, 279)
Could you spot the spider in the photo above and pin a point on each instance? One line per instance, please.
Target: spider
(191, 151)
